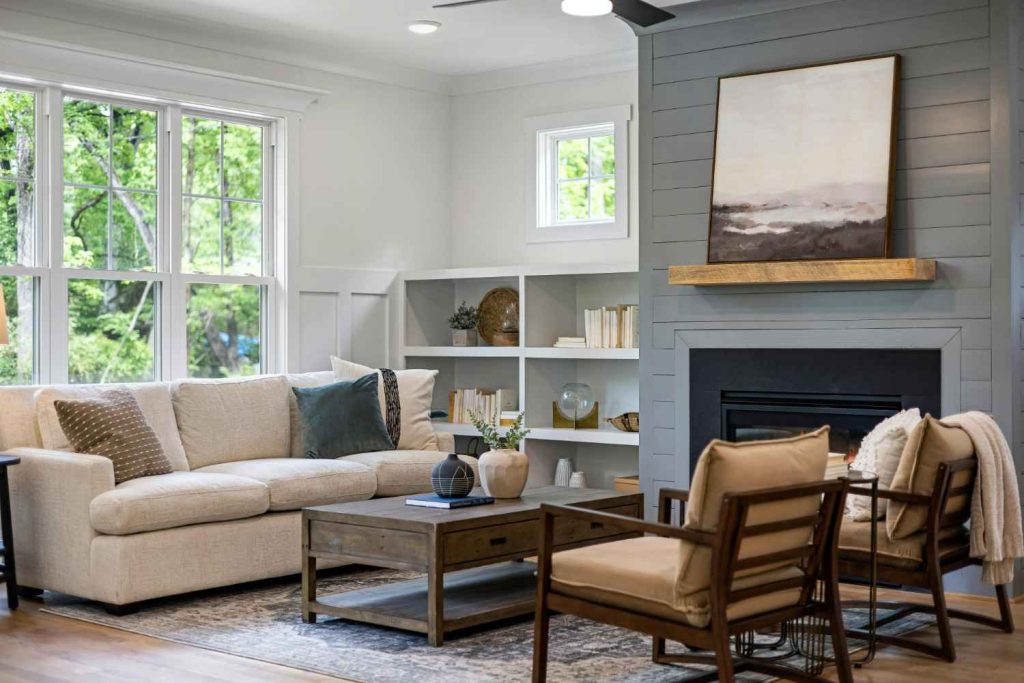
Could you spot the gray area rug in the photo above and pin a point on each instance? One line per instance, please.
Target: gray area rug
(262, 621)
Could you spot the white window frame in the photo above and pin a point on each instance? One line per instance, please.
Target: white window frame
(541, 144)
(51, 324)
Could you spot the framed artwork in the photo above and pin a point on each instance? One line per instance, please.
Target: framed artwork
(804, 163)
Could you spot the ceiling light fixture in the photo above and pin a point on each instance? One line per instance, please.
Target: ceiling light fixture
(587, 8)
(423, 27)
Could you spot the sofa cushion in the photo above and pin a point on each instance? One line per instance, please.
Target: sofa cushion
(342, 418)
(411, 415)
(401, 473)
(225, 420)
(930, 444)
(639, 574)
(296, 483)
(905, 553)
(177, 499)
(113, 426)
(154, 398)
(725, 468)
(302, 380)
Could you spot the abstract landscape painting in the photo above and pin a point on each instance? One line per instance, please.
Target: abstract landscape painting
(803, 163)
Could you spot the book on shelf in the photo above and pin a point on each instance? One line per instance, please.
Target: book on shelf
(571, 343)
(611, 327)
(432, 500)
(487, 403)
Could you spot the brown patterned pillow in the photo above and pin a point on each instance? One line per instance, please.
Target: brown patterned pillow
(113, 426)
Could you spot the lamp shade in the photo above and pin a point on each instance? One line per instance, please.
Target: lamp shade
(3, 318)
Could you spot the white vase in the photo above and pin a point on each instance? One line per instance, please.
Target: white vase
(503, 472)
(578, 480)
(563, 471)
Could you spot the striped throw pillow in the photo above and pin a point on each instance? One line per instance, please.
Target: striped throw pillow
(114, 427)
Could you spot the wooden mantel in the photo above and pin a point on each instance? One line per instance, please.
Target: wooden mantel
(789, 272)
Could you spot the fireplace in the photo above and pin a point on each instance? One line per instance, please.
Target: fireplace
(747, 394)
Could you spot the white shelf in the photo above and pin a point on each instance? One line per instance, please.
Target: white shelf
(460, 429)
(582, 354)
(461, 351)
(519, 271)
(603, 435)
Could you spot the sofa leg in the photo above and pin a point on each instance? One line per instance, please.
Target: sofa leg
(121, 610)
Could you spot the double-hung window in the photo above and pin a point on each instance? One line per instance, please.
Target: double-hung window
(135, 238)
(577, 165)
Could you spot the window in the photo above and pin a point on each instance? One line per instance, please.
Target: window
(136, 268)
(578, 164)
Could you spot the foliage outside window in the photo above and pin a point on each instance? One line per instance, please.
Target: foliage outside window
(585, 187)
(122, 305)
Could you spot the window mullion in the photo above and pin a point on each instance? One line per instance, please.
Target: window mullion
(53, 296)
(173, 323)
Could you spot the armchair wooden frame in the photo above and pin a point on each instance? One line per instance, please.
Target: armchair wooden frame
(817, 558)
(939, 559)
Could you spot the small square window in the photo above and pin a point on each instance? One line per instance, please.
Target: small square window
(578, 165)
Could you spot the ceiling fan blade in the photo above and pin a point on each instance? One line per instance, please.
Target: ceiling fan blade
(640, 13)
(461, 3)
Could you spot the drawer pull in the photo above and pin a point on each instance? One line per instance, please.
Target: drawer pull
(499, 541)
(597, 525)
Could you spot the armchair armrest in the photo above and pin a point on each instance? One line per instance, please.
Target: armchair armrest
(50, 496)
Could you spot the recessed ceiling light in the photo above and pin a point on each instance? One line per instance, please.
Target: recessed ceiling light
(587, 8)
(424, 27)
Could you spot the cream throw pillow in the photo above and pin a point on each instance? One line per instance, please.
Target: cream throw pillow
(415, 397)
(858, 508)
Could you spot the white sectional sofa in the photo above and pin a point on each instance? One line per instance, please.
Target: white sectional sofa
(229, 513)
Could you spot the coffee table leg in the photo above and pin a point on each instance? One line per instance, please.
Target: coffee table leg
(435, 596)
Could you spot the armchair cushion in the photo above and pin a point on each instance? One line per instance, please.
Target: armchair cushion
(726, 468)
(905, 553)
(930, 444)
(639, 574)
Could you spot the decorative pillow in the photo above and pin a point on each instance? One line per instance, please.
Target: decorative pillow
(888, 450)
(343, 418)
(405, 400)
(859, 507)
(303, 380)
(113, 426)
(930, 444)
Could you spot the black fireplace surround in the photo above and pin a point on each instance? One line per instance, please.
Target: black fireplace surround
(745, 394)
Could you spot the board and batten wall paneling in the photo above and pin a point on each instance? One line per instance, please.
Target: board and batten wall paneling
(950, 164)
(341, 312)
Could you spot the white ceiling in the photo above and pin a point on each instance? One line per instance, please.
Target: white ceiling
(474, 39)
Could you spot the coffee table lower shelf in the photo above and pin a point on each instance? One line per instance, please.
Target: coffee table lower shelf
(471, 597)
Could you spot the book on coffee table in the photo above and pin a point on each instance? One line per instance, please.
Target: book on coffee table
(432, 500)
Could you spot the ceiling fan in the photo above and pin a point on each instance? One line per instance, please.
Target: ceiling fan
(639, 12)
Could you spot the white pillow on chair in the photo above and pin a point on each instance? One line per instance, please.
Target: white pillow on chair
(879, 453)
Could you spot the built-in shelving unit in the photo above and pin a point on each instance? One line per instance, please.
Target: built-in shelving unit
(552, 301)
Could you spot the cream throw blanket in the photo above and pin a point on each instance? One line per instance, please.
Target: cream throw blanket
(996, 535)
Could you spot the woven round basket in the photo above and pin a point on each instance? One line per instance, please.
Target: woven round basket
(627, 422)
(494, 309)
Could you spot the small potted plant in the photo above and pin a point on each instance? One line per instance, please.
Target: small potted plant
(504, 468)
(463, 323)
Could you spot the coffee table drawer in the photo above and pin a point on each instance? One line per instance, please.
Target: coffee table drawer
(570, 531)
(367, 542)
(488, 542)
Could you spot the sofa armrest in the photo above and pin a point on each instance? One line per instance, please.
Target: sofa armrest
(445, 442)
(50, 496)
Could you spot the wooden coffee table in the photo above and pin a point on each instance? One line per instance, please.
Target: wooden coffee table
(479, 548)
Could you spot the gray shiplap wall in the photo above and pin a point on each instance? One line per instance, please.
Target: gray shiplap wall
(949, 136)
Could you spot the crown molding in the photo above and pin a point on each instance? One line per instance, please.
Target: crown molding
(547, 72)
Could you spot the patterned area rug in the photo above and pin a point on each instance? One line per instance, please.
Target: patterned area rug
(262, 621)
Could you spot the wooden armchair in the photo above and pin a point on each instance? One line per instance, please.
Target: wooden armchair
(761, 565)
(921, 559)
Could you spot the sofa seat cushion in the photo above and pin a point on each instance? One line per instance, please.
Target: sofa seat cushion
(639, 574)
(176, 499)
(401, 473)
(296, 483)
(905, 553)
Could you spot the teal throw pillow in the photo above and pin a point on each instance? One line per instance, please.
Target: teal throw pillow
(342, 418)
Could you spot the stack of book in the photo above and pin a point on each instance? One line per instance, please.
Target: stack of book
(612, 327)
(571, 343)
(490, 404)
(836, 466)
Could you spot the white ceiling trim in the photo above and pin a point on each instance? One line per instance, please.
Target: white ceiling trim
(549, 72)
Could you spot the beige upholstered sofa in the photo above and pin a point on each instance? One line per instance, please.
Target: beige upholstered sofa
(229, 513)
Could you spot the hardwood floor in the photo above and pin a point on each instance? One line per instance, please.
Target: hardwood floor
(44, 648)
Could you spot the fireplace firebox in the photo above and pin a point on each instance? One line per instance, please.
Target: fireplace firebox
(749, 394)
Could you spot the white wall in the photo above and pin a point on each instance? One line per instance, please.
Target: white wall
(488, 215)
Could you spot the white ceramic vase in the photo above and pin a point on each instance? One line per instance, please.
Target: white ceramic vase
(503, 472)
